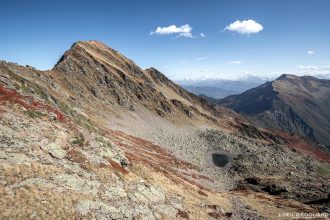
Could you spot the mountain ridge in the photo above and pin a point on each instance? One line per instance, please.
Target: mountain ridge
(118, 69)
(292, 96)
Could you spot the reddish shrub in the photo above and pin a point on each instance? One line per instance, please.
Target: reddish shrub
(12, 96)
(76, 156)
(216, 215)
(117, 166)
(202, 193)
(182, 214)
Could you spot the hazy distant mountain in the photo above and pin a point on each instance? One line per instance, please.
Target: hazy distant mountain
(220, 88)
(211, 91)
(290, 103)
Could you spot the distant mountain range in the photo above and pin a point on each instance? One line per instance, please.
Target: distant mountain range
(220, 88)
(290, 103)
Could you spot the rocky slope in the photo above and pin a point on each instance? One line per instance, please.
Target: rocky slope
(290, 103)
(97, 72)
(97, 137)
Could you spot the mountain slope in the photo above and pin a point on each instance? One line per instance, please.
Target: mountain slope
(98, 137)
(290, 103)
(98, 72)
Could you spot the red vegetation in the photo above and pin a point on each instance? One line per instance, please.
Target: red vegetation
(200, 192)
(117, 166)
(76, 156)
(182, 214)
(12, 96)
(216, 212)
(215, 215)
(304, 146)
(141, 151)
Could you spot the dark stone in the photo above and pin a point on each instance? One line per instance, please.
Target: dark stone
(253, 180)
(273, 189)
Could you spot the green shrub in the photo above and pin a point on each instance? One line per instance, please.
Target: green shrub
(79, 140)
(33, 114)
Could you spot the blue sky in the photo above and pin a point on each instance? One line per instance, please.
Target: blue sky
(269, 37)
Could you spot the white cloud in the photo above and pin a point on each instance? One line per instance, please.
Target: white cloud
(244, 27)
(201, 58)
(202, 35)
(182, 31)
(310, 52)
(320, 70)
(310, 68)
(234, 62)
(245, 72)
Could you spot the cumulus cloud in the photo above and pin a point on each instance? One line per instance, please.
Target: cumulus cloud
(310, 68)
(310, 52)
(234, 62)
(244, 27)
(202, 35)
(182, 31)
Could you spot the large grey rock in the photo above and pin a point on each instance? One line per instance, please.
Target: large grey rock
(149, 194)
(102, 210)
(72, 182)
(55, 150)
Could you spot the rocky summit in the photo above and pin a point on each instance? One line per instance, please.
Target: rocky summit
(97, 137)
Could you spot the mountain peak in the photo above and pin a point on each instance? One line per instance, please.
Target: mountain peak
(89, 42)
(89, 46)
(157, 76)
(152, 69)
(85, 44)
(83, 56)
(286, 76)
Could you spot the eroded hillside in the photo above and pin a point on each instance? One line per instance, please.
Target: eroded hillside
(98, 137)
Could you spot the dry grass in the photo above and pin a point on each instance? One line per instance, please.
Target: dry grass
(17, 173)
(38, 203)
(271, 206)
